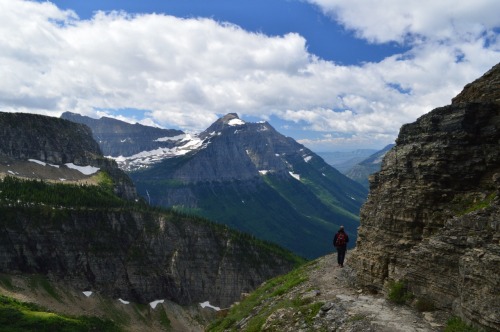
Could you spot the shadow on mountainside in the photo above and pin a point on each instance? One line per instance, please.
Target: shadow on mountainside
(327, 299)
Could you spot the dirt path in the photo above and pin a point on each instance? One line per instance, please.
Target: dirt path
(349, 309)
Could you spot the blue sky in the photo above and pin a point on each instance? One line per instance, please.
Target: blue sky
(333, 74)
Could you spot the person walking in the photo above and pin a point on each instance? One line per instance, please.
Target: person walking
(340, 242)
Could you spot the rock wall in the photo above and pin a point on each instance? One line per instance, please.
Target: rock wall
(136, 255)
(432, 217)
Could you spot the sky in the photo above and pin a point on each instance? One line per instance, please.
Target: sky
(336, 75)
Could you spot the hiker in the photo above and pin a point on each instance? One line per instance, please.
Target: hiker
(340, 242)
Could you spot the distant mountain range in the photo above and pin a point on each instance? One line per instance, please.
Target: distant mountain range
(343, 161)
(362, 171)
(247, 176)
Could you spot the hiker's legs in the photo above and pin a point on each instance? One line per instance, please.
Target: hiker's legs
(341, 256)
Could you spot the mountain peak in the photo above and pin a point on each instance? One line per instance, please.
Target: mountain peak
(230, 119)
(483, 89)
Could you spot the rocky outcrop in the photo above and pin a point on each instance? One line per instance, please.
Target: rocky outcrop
(57, 142)
(432, 215)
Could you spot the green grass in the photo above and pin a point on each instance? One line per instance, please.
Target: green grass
(6, 282)
(16, 316)
(463, 204)
(267, 299)
(20, 192)
(165, 321)
(455, 324)
(398, 292)
(37, 281)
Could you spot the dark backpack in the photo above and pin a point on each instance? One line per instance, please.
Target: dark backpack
(341, 240)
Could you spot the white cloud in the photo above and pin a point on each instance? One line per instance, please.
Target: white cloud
(187, 72)
(414, 20)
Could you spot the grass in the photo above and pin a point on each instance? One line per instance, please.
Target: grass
(36, 281)
(465, 205)
(357, 318)
(266, 300)
(455, 324)
(6, 282)
(398, 292)
(16, 316)
(165, 321)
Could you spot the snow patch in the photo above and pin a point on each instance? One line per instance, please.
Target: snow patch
(87, 170)
(123, 301)
(235, 122)
(295, 176)
(263, 128)
(39, 162)
(87, 293)
(207, 304)
(146, 158)
(264, 172)
(170, 138)
(10, 172)
(306, 159)
(155, 303)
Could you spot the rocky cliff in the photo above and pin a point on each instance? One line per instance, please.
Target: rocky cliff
(48, 140)
(432, 215)
(135, 255)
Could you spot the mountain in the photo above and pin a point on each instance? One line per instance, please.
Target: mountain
(41, 147)
(252, 178)
(78, 232)
(128, 141)
(361, 171)
(345, 160)
(431, 219)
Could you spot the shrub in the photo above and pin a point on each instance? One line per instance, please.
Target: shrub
(455, 324)
(398, 292)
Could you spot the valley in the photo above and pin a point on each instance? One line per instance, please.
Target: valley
(79, 236)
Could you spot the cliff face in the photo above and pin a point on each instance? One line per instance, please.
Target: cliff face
(135, 255)
(432, 216)
(56, 142)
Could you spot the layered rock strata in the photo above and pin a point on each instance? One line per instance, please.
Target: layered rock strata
(139, 256)
(57, 142)
(432, 218)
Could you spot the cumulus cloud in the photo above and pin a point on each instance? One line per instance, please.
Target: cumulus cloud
(187, 72)
(414, 21)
